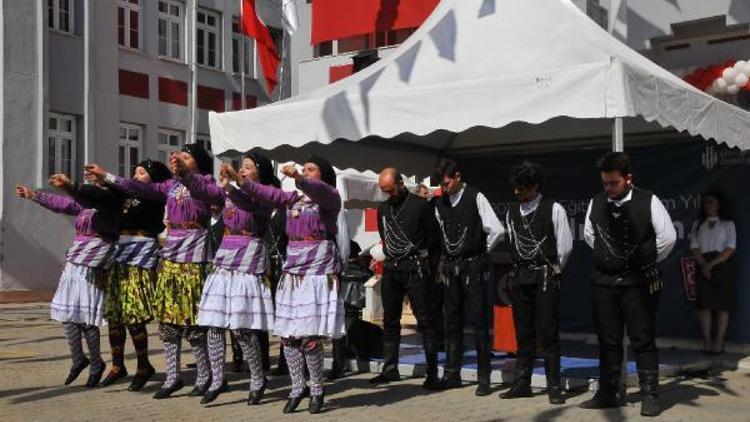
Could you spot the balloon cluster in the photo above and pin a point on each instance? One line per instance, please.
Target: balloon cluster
(726, 79)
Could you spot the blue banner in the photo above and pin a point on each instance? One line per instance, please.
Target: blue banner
(677, 174)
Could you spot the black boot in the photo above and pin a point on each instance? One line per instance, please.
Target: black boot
(338, 367)
(292, 404)
(200, 390)
(166, 392)
(212, 395)
(255, 397)
(95, 377)
(390, 364)
(649, 381)
(552, 369)
(141, 378)
(76, 370)
(113, 376)
(452, 370)
(316, 404)
(431, 380)
(608, 395)
(522, 384)
(484, 367)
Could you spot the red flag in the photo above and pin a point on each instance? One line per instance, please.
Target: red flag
(269, 58)
(336, 19)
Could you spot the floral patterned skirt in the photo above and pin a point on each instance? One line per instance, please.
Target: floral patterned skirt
(178, 292)
(129, 294)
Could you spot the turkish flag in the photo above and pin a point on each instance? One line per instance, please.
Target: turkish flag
(336, 19)
(269, 58)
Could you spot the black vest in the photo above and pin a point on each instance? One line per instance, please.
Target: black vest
(624, 239)
(461, 228)
(531, 229)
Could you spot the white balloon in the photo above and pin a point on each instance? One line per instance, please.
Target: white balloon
(741, 79)
(733, 89)
(739, 65)
(721, 84)
(729, 73)
(746, 68)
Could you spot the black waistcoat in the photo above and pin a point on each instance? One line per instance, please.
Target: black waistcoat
(532, 229)
(461, 228)
(624, 239)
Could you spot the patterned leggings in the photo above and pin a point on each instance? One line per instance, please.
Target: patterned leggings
(301, 352)
(171, 336)
(248, 341)
(73, 333)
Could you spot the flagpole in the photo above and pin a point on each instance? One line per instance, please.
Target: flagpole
(193, 69)
(281, 65)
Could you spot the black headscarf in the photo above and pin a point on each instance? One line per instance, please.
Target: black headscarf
(264, 167)
(327, 174)
(156, 170)
(202, 159)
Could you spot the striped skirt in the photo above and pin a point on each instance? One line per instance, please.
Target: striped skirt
(178, 292)
(234, 299)
(79, 297)
(129, 293)
(309, 306)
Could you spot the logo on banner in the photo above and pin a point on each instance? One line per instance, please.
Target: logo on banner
(710, 158)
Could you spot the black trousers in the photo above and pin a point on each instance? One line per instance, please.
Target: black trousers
(615, 308)
(465, 303)
(419, 287)
(536, 310)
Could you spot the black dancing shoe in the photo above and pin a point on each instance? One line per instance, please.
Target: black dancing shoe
(386, 377)
(650, 405)
(199, 390)
(432, 383)
(316, 404)
(76, 370)
(600, 401)
(292, 404)
(95, 377)
(520, 389)
(166, 392)
(255, 397)
(449, 383)
(554, 395)
(211, 395)
(141, 378)
(113, 376)
(483, 389)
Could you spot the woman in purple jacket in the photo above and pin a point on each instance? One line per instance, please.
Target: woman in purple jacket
(184, 262)
(308, 307)
(79, 299)
(236, 295)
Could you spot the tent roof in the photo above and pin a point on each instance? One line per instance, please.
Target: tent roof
(483, 73)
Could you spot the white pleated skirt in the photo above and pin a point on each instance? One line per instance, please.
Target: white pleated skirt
(236, 300)
(309, 306)
(79, 297)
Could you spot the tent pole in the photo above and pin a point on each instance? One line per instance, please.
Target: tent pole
(618, 143)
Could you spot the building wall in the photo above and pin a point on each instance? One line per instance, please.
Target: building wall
(33, 241)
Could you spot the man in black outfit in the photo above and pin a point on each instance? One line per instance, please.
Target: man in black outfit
(407, 227)
(540, 244)
(630, 232)
(469, 230)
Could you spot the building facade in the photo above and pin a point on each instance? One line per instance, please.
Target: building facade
(112, 82)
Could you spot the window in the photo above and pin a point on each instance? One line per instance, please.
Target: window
(240, 53)
(356, 43)
(169, 141)
(61, 145)
(323, 49)
(171, 18)
(389, 38)
(60, 15)
(129, 23)
(204, 141)
(129, 149)
(208, 39)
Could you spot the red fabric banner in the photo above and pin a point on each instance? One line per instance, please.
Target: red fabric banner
(335, 19)
(269, 58)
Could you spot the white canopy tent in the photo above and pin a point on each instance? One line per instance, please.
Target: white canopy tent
(482, 75)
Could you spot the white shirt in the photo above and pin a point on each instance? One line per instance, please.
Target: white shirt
(563, 235)
(721, 237)
(490, 223)
(666, 236)
(342, 239)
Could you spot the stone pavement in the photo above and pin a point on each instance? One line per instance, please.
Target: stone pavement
(34, 361)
